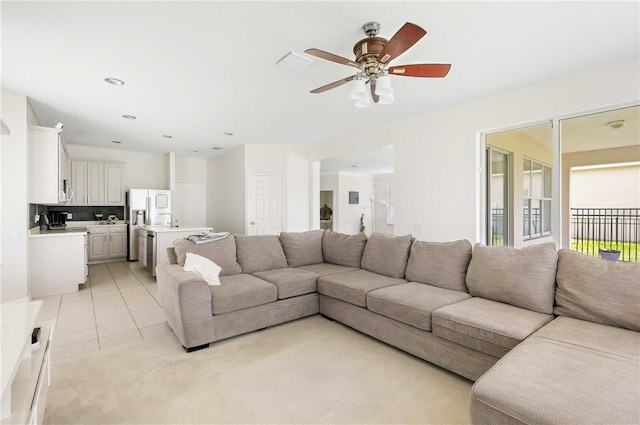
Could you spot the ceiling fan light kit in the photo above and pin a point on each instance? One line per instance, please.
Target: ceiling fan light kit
(372, 56)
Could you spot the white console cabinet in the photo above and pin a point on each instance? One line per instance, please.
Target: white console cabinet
(25, 367)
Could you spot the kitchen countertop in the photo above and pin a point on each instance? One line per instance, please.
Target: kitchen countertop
(162, 229)
(68, 231)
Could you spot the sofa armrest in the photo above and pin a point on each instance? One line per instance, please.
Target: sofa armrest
(186, 300)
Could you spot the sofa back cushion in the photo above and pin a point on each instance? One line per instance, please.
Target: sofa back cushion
(342, 249)
(597, 290)
(260, 253)
(442, 264)
(521, 277)
(302, 248)
(387, 254)
(222, 252)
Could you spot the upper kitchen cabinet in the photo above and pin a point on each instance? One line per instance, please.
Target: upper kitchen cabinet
(114, 184)
(47, 166)
(97, 183)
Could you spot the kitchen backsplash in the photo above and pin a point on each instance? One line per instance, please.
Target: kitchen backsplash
(79, 213)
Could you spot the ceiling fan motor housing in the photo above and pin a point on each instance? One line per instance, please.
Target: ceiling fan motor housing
(366, 51)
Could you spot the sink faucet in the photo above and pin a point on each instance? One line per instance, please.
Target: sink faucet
(170, 218)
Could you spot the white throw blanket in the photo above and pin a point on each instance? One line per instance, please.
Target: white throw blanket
(205, 237)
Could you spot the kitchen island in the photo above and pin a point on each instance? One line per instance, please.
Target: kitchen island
(159, 238)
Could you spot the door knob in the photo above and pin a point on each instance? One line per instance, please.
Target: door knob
(252, 223)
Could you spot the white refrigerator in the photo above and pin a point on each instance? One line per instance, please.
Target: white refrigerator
(145, 206)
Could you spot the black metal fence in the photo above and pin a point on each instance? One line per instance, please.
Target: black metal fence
(618, 229)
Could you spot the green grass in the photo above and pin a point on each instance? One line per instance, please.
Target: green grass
(628, 251)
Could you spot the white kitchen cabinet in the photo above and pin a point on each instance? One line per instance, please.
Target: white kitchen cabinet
(56, 263)
(79, 182)
(95, 183)
(107, 242)
(117, 242)
(47, 166)
(98, 183)
(98, 243)
(114, 184)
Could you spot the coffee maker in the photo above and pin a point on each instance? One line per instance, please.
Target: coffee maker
(57, 220)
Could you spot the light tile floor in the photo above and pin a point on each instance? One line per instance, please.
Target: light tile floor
(118, 304)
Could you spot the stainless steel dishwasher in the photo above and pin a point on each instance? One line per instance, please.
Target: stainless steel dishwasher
(151, 252)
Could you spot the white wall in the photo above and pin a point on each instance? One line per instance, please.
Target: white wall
(380, 204)
(436, 161)
(348, 218)
(226, 192)
(14, 203)
(143, 170)
(189, 191)
(292, 162)
(610, 187)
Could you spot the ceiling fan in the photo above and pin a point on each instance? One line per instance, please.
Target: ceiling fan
(372, 57)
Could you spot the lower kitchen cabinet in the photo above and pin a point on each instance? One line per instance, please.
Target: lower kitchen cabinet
(107, 242)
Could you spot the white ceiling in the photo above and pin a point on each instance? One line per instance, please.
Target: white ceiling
(195, 70)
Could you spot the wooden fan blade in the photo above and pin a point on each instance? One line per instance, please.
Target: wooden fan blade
(333, 85)
(406, 37)
(431, 70)
(331, 57)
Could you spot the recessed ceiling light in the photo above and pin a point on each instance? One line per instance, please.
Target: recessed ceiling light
(354, 166)
(166, 136)
(116, 141)
(129, 117)
(114, 81)
(227, 134)
(194, 151)
(216, 148)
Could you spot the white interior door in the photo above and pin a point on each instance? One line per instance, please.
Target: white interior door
(265, 204)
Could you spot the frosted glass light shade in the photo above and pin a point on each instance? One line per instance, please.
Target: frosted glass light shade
(363, 103)
(383, 85)
(386, 99)
(358, 90)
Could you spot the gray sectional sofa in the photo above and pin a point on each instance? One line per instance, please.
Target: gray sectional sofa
(548, 336)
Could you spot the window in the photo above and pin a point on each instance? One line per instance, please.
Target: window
(498, 183)
(536, 218)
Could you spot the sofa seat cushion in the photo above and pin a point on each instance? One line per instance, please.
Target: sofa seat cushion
(290, 282)
(241, 291)
(354, 286)
(580, 373)
(324, 269)
(600, 291)
(302, 248)
(412, 303)
(488, 326)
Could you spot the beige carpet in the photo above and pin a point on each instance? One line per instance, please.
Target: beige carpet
(307, 371)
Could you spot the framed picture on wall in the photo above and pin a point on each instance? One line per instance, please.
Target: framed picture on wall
(354, 197)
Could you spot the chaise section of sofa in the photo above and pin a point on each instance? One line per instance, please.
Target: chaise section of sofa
(583, 367)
